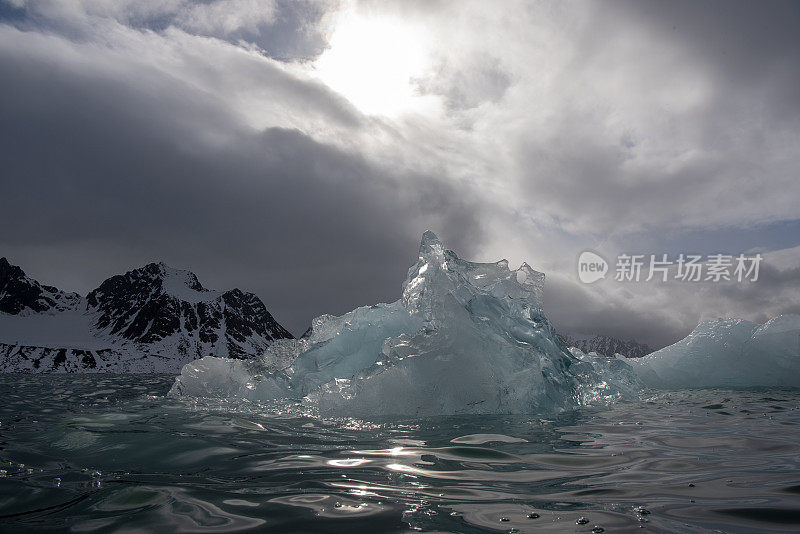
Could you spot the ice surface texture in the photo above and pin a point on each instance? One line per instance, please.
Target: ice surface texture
(728, 353)
(464, 338)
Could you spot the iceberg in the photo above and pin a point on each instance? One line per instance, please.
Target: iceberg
(728, 353)
(463, 338)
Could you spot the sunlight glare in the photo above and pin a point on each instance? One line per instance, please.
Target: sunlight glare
(373, 62)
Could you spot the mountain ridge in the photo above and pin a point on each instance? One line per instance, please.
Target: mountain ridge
(20, 293)
(605, 345)
(153, 318)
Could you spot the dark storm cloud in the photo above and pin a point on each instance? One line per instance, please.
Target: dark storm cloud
(149, 165)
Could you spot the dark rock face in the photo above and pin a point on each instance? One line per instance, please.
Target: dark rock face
(606, 346)
(135, 305)
(155, 302)
(245, 316)
(20, 294)
(47, 360)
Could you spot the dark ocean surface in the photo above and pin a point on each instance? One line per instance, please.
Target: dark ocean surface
(99, 453)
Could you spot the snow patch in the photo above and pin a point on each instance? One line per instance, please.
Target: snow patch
(184, 286)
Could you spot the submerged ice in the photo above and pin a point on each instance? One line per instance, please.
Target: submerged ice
(464, 338)
(728, 353)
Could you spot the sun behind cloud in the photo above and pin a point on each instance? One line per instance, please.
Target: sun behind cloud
(373, 61)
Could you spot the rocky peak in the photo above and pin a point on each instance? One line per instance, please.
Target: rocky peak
(21, 295)
(157, 301)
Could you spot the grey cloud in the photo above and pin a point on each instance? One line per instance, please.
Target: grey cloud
(660, 313)
(482, 79)
(130, 133)
(777, 291)
(581, 309)
(164, 171)
(714, 151)
(286, 30)
(747, 43)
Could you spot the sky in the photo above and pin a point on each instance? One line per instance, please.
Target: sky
(299, 149)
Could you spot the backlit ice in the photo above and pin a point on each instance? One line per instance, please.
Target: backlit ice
(464, 338)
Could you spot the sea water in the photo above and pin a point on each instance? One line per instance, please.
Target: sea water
(100, 453)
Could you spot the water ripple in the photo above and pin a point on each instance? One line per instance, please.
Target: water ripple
(109, 454)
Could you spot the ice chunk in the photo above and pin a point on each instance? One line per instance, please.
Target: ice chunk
(609, 377)
(464, 338)
(728, 353)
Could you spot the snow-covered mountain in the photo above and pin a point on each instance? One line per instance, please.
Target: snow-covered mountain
(152, 319)
(605, 345)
